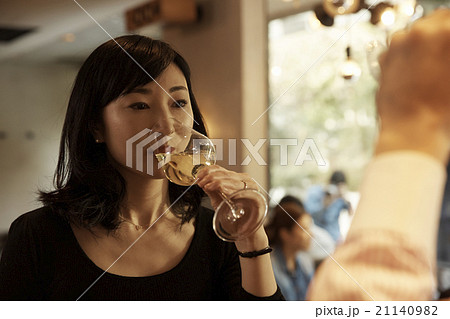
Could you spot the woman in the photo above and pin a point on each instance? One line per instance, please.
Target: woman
(89, 241)
(289, 233)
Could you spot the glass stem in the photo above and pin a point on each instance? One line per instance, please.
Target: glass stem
(234, 214)
(233, 209)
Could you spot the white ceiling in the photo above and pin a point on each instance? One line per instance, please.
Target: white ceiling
(54, 18)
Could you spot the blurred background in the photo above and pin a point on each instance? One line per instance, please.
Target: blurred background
(274, 69)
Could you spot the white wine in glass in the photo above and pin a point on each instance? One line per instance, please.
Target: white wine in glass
(182, 168)
(239, 214)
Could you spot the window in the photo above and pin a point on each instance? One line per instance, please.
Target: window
(311, 101)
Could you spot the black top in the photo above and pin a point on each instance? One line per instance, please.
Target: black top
(42, 260)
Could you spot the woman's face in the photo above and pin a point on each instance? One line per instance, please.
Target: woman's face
(147, 107)
(297, 237)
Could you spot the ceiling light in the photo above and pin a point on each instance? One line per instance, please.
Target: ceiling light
(407, 7)
(350, 70)
(378, 11)
(388, 17)
(387, 13)
(323, 17)
(338, 7)
(313, 22)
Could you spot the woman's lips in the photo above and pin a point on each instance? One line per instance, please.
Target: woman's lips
(164, 149)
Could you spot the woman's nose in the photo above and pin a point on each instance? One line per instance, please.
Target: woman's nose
(165, 125)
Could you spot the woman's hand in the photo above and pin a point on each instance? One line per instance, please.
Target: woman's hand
(216, 180)
(257, 273)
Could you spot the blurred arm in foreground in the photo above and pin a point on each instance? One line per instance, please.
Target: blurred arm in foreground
(390, 250)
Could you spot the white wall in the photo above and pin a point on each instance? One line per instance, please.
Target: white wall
(33, 99)
(227, 52)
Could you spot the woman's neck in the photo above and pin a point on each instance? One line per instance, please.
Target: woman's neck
(146, 199)
(289, 255)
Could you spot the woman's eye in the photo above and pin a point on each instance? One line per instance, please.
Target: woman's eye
(139, 106)
(181, 103)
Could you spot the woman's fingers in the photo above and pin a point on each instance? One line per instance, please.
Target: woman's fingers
(216, 178)
(217, 182)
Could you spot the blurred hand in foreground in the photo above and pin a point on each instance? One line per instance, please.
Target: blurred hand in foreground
(414, 94)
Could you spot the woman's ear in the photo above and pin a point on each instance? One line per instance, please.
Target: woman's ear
(97, 132)
(284, 235)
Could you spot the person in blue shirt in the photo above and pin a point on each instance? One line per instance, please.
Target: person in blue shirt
(289, 235)
(326, 204)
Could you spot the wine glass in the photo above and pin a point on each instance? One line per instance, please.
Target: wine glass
(183, 155)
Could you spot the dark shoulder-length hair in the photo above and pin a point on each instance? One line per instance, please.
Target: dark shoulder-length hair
(88, 190)
(284, 216)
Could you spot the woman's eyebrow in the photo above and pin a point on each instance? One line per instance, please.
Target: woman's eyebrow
(143, 90)
(138, 89)
(177, 88)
